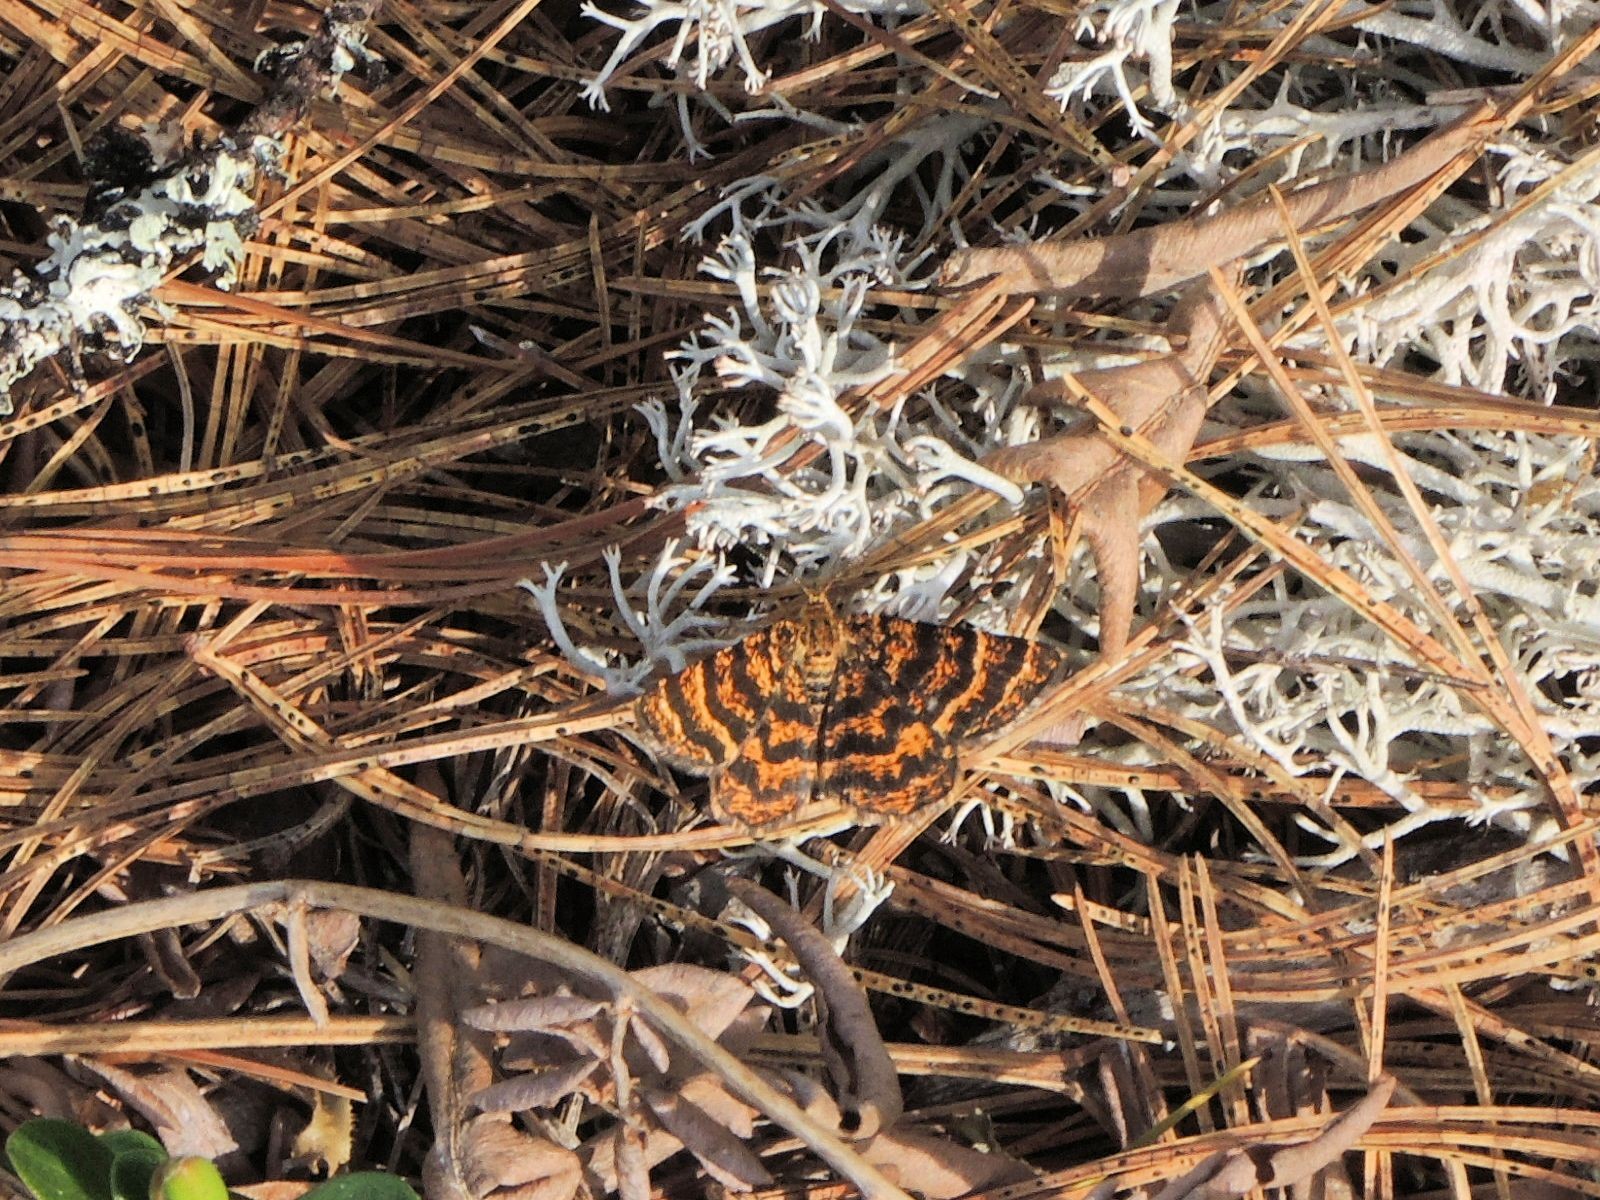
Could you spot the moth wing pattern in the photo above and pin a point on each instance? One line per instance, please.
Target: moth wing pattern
(773, 772)
(880, 754)
(866, 713)
(966, 683)
(699, 718)
(880, 758)
(913, 695)
(986, 681)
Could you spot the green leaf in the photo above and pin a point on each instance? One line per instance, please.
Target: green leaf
(362, 1185)
(188, 1178)
(58, 1160)
(132, 1171)
(121, 1141)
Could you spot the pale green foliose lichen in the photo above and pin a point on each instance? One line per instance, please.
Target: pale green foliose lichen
(99, 275)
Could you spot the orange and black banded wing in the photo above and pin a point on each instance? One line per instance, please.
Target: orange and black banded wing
(880, 754)
(966, 683)
(774, 770)
(880, 758)
(699, 718)
(1007, 674)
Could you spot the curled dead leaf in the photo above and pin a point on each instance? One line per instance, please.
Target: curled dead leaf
(1164, 400)
(713, 1000)
(650, 1043)
(534, 1089)
(601, 1155)
(1236, 1172)
(857, 1063)
(707, 1093)
(42, 1087)
(725, 1157)
(185, 1121)
(537, 1051)
(532, 1014)
(1158, 257)
(632, 1162)
(506, 1163)
(938, 1168)
(811, 1096)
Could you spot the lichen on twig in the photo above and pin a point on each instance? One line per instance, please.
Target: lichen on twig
(102, 270)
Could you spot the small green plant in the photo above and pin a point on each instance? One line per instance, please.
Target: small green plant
(58, 1160)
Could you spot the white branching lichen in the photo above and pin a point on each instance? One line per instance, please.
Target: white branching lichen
(671, 628)
(1473, 297)
(720, 29)
(1132, 31)
(102, 270)
(1311, 683)
(1524, 296)
(796, 342)
(870, 471)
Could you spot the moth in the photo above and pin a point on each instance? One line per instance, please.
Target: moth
(863, 713)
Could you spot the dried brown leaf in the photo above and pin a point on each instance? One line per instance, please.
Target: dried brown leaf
(533, 1051)
(506, 1163)
(707, 1092)
(1165, 400)
(42, 1087)
(600, 1156)
(331, 937)
(533, 1089)
(633, 1162)
(1231, 1173)
(718, 1148)
(939, 1168)
(858, 1065)
(183, 1119)
(713, 1000)
(810, 1095)
(1160, 257)
(532, 1014)
(650, 1042)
